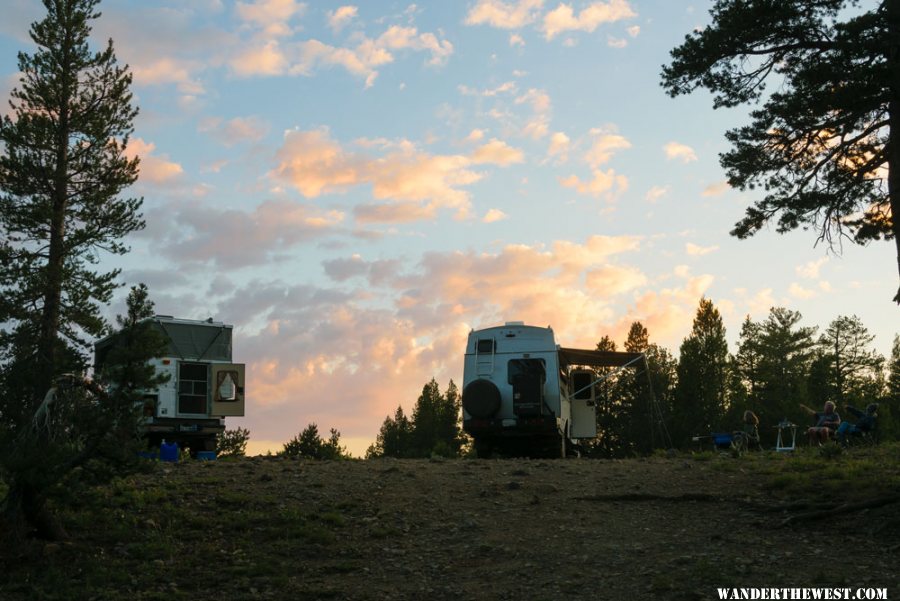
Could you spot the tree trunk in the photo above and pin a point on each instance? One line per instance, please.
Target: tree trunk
(893, 146)
(48, 361)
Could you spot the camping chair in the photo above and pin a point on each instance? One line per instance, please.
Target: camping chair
(868, 438)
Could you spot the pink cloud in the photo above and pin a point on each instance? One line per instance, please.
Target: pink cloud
(504, 15)
(414, 183)
(154, 169)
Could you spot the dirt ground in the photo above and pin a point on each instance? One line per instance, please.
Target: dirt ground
(573, 529)
(666, 528)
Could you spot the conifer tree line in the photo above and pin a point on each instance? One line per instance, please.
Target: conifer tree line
(433, 429)
(779, 363)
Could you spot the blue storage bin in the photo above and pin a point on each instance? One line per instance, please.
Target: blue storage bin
(168, 451)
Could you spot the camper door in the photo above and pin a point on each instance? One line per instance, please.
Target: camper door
(228, 390)
(584, 405)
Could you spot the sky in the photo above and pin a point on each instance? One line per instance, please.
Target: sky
(356, 187)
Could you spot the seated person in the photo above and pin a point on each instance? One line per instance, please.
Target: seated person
(749, 431)
(826, 423)
(865, 422)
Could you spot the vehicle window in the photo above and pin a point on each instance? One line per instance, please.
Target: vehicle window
(525, 367)
(193, 387)
(486, 345)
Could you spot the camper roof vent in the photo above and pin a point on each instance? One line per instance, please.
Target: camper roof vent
(515, 323)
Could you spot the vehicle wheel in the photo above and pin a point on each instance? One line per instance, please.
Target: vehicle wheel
(483, 449)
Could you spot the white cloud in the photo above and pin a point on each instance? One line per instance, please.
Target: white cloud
(798, 291)
(602, 183)
(681, 152)
(716, 189)
(516, 40)
(476, 135)
(563, 17)
(559, 146)
(494, 215)
(811, 269)
(604, 144)
(614, 42)
(154, 169)
(504, 15)
(655, 193)
(698, 251)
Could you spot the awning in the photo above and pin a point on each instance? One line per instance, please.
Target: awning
(587, 358)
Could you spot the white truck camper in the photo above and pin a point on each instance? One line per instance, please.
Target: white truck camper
(204, 385)
(524, 395)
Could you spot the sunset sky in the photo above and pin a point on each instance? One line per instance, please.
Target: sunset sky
(355, 187)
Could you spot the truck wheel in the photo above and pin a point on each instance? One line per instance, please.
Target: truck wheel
(483, 449)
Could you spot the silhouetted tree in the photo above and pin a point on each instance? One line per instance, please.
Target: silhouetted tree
(310, 445)
(821, 148)
(82, 433)
(854, 371)
(62, 168)
(394, 438)
(702, 369)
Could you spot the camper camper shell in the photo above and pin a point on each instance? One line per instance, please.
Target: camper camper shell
(524, 394)
(204, 387)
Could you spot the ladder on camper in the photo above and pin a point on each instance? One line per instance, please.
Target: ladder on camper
(485, 349)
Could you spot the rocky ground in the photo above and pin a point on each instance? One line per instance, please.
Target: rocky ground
(667, 528)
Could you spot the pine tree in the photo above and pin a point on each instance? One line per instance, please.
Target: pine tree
(83, 432)
(62, 168)
(821, 150)
(854, 370)
(394, 438)
(700, 401)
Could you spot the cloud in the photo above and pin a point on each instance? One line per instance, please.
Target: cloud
(507, 86)
(538, 125)
(261, 60)
(272, 16)
(634, 31)
(169, 70)
(516, 40)
(497, 152)
(811, 269)
(476, 135)
(698, 251)
(235, 131)
(494, 215)
(559, 147)
(338, 19)
(681, 152)
(504, 15)
(614, 42)
(153, 169)
(563, 18)
(716, 189)
(602, 183)
(798, 291)
(415, 182)
(655, 193)
(369, 54)
(197, 232)
(605, 143)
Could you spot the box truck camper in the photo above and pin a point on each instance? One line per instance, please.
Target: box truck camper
(204, 387)
(525, 395)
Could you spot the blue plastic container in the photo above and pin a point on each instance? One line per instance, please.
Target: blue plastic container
(206, 455)
(168, 451)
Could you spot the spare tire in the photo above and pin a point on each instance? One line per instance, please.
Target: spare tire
(481, 398)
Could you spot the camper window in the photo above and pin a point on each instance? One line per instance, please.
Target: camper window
(525, 367)
(193, 386)
(485, 345)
